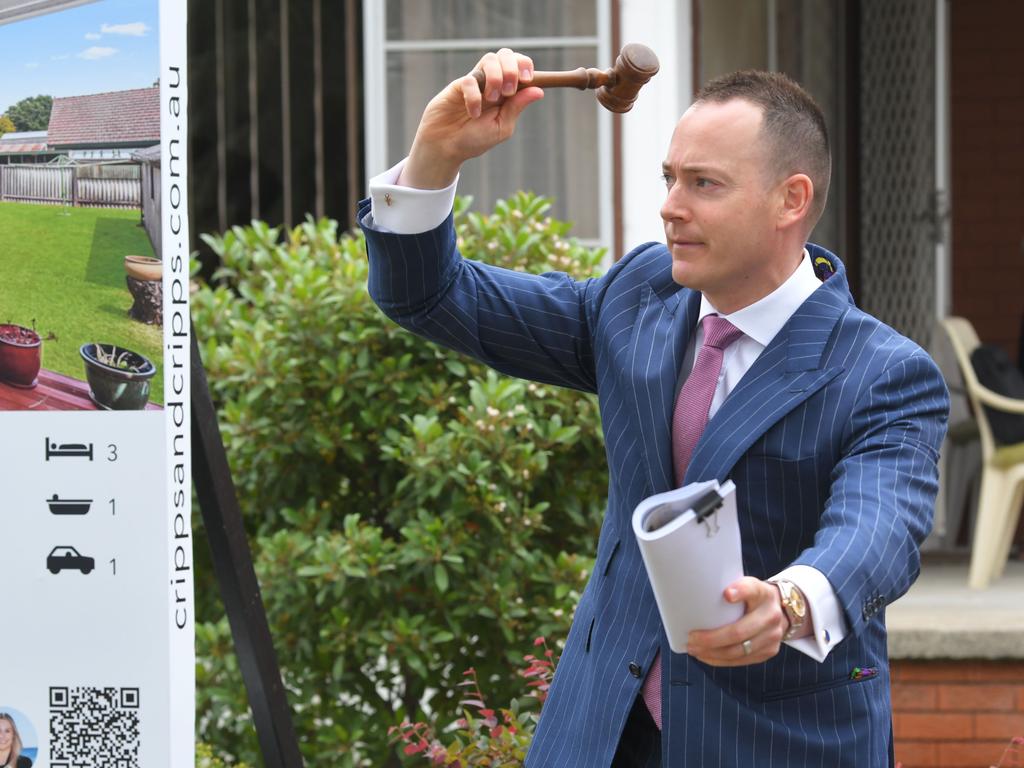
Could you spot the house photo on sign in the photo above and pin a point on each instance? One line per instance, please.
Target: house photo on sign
(94, 373)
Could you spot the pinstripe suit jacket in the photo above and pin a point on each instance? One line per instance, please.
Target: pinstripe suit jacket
(831, 438)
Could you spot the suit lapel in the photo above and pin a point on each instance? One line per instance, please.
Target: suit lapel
(788, 372)
(663, 328)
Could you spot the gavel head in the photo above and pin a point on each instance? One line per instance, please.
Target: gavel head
(635, 65)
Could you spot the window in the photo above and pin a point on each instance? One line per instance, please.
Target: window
(562, 147)
(800, 38)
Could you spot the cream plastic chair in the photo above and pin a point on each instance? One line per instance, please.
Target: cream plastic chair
(1002, 474)
(960, 456)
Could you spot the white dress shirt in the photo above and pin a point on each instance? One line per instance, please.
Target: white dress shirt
(406, 211)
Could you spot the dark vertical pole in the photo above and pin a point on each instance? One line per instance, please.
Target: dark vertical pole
(269, 114)
(235, 99)
(240, 592)
(848, 155)
(299, 110)
(353, 107)
(202, 127)
(335, 154)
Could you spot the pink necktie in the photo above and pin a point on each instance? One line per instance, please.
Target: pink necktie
(688, 421)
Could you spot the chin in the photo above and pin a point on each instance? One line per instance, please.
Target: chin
(682, 274)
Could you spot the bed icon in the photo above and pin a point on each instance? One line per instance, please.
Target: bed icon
(53, 450)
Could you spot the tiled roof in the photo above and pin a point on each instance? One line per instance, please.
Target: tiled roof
(120, 117)
(21, 147)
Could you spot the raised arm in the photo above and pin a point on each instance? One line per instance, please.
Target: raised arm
(460, 122)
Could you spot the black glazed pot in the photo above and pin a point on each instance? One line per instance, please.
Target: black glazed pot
(119, 378)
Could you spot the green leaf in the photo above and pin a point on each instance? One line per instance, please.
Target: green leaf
(441, 578)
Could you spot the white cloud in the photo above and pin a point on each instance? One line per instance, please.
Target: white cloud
(32, 65)
(93, 35)
(135, 29)
(97, 53)
(61, 57)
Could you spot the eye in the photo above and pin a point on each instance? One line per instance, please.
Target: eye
(668, 179)
(702, 182)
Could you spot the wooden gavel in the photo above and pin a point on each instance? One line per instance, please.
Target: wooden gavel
(617, 87)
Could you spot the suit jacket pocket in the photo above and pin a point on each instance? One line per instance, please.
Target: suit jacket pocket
(819, 687)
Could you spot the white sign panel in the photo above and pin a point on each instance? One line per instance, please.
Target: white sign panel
(97, 664)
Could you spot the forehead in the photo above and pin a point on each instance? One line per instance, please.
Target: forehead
(719, 134)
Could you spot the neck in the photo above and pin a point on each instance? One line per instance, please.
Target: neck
(742, 293)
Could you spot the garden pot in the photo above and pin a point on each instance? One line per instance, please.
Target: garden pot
(143, 267)
(119, 378)
(21, 355)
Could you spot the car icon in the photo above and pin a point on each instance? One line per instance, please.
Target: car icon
(68, 559)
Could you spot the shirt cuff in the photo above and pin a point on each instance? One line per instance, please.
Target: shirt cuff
(823, 611)
(406, 210)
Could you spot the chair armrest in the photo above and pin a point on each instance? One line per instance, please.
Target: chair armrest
(997, 401)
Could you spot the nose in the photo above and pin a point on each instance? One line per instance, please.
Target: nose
(676, 206)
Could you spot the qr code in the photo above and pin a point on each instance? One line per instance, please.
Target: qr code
(94, 727)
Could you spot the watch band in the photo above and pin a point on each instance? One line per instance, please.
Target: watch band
(794, 604)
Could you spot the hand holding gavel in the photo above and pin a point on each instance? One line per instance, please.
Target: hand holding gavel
(617, 88)
(478, 111)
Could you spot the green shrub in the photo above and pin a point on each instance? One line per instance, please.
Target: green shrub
(205, 758)
(411, 513)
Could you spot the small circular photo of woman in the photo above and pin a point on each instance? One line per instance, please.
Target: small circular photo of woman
(17, 740)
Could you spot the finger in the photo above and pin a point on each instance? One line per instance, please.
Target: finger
(762, 620)
(763, 646)
(514, 107)
(491, 67)
(735, 657)
(525, 68)
(747, 590)
(729, 636)
(471, 95)
(509, 71)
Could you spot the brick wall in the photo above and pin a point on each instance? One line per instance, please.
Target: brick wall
(987, 105)
(956, 714)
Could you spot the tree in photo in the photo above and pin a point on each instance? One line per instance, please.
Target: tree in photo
(6, 126)
(32, 113)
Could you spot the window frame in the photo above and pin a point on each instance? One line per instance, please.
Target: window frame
(376, 48)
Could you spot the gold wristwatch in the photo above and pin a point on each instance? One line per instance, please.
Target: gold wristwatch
(793, 604)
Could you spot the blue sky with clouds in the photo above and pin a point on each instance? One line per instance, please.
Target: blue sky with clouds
(110, 45)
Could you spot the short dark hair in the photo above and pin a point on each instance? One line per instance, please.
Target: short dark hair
(793, 125)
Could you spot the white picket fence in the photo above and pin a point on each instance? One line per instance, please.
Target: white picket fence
(70, 186)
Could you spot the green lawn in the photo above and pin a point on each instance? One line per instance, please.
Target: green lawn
(66, 273)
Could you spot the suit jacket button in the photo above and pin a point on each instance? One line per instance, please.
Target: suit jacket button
(634, 669)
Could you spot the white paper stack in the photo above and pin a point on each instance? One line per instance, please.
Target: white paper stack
(690, 542)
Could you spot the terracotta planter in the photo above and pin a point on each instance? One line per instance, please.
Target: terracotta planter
(21, 355)
(143, 267)
(118, 378)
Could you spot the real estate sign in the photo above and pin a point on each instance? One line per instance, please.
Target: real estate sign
(97, 663)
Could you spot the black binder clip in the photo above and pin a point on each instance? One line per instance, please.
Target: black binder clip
(706, 509)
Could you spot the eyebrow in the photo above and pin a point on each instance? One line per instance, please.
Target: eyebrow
(692, 168)
(667, 168)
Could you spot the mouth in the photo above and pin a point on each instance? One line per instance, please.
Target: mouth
(684, 245)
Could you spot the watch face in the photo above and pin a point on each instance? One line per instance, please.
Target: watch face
(796, 602)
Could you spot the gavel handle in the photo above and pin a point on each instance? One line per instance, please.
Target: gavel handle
(581, 78)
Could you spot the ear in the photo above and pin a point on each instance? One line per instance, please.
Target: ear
(796, 194)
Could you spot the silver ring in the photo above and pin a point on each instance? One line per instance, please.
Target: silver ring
(748, 647)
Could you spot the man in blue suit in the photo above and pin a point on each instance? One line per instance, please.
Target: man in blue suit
(734, 350)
